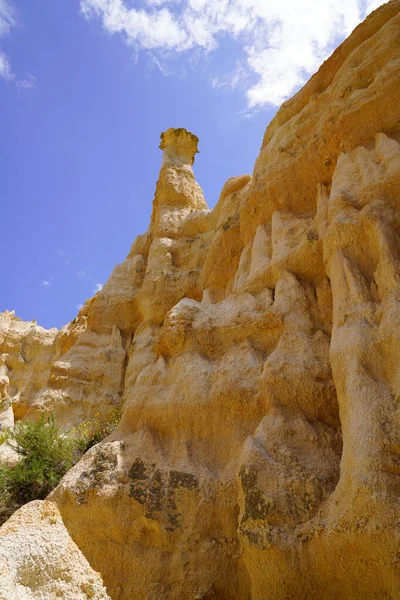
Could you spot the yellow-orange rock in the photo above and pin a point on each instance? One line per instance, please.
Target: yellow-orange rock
(255, 349)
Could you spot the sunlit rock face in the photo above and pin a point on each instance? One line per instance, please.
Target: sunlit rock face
(38, 559)
(255, 350)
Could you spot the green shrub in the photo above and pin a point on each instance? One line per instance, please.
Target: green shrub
(45, 453)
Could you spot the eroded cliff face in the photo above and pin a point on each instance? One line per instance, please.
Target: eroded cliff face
(255, 349)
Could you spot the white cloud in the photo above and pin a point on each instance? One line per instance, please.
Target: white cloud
(83, 273)
(283, 42)
(98, 287)
(6, 17)
(61, 252)
(5, 68)
(46, 284)
(6, 22)
(155, 29)
(26, 84)
(372, 5)
(239, 77)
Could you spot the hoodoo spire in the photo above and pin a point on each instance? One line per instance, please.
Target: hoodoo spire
(179, 146)
(177, 192)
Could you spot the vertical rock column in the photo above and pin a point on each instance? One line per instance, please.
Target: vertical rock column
(172, 273)
(177, 192)
(361, 249)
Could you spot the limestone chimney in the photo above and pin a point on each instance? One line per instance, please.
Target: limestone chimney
(179, 146)
(177, 191)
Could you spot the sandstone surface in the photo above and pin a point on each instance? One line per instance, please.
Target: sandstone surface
(38, 559)
(255, 351)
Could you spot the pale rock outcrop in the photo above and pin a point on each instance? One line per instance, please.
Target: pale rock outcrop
(255, 351)
(38, 559)
(27, 353)
(75, 372)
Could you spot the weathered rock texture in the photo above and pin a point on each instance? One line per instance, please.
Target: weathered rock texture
(38, 559)
(255, 349)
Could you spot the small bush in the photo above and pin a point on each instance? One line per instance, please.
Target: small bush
(46, 454)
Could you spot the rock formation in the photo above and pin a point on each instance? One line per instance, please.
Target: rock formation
(38, 559)
(255, 350)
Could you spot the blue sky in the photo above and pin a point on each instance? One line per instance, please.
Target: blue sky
(86, 88)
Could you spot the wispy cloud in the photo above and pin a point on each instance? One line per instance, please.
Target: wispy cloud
(26, 84)
(46, 283)
(5, 68)
(282, 42)
(98, 287)
(83, 273)
(7, 21)
(239, 77)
